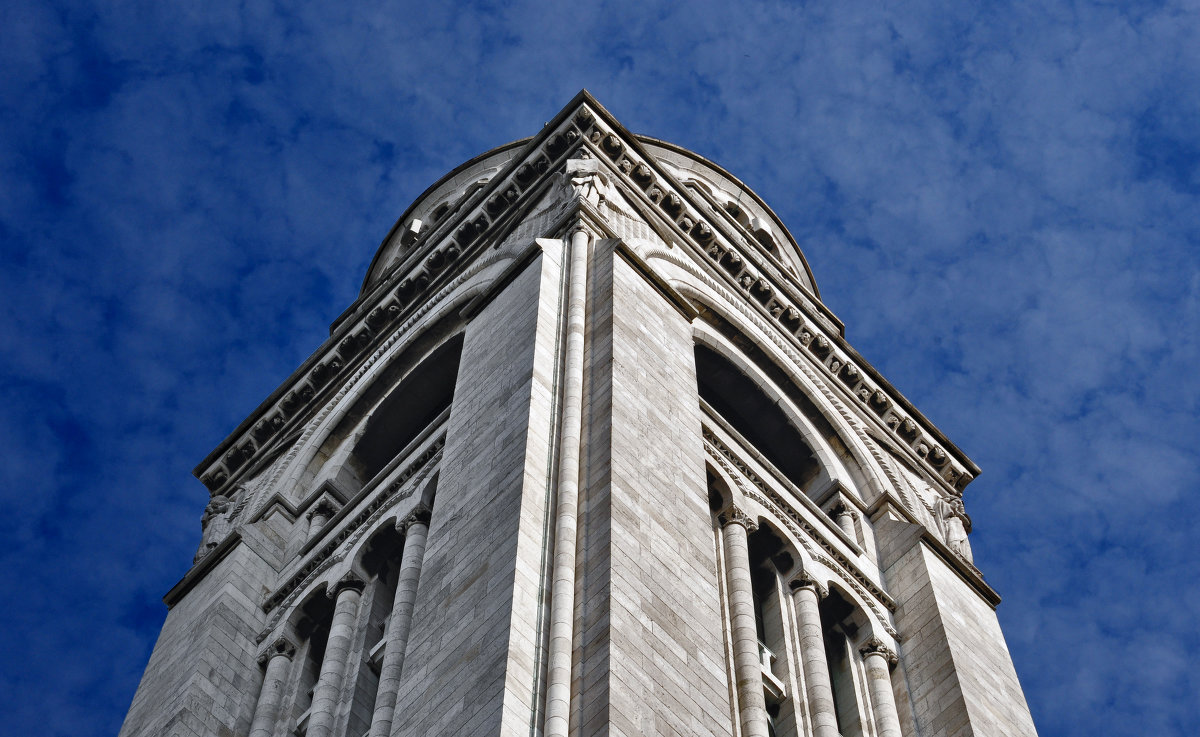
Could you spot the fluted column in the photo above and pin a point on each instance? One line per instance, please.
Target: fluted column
(747, 666)
(337, 652)
(416, 532)
(879, 660)
(277, 658)
(821, 707)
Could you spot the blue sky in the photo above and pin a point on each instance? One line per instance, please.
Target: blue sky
(1002, 202)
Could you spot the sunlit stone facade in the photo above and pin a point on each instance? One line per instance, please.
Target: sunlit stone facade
(588, 455)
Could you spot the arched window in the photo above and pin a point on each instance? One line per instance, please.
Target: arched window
(741, 402)
(424, 394)
(841, 632)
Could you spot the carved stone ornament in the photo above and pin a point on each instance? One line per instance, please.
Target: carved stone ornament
(587, 180)
(214, 526)
(954, 524)
(837, 510)
(420, 515)
(876, 646)
(349, 581)
(804, 582)
(282, 647)
(735, 516)
(323, 508)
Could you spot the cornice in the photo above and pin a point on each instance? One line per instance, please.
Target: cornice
(729, 257)
(435, 258)
(713, 242)
(198, 571)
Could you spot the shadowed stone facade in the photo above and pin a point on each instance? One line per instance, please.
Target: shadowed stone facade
(587, 456)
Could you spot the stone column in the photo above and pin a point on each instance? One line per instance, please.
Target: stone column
(266, 712)
(821, 707)
(318, 516)
(879, 660)
(416, 531)
(333, 667)
(747, 666)
(844, 516)
(562, 592)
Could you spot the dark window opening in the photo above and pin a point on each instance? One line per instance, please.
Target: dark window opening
(758, 419)
(424, 394)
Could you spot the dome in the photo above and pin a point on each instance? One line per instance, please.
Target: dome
(705, 180)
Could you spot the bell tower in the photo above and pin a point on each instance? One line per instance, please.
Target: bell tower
(587, 456)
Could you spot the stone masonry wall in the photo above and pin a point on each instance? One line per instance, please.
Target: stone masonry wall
(958, 676)
(202, 679)
(469, 666)
(651, 645)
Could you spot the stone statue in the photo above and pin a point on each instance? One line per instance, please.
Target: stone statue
(214, 525)
(587, 180)
(955, 524)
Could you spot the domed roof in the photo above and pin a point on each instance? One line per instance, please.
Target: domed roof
(704, 179)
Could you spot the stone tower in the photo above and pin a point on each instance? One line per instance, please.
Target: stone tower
(587, 456)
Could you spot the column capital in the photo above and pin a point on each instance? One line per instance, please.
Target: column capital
(323, 508)
(736, 516)
(876, 646)
(804, 582)
(349, 582)
(840, 508)
(419, 516)
(281, 647)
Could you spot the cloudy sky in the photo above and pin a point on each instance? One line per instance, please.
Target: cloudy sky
(1000, 200)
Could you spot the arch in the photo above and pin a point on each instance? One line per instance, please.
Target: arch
(746, 407)
(842, 623)
(414, 388)
(774, 415)
(291, 474)
(419, 398)
(869, 615)
(742, 340)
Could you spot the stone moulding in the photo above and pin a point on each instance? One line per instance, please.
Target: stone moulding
(324, 557)
(831, 557)
(444, 249)
(437, 256)
(735, 266)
